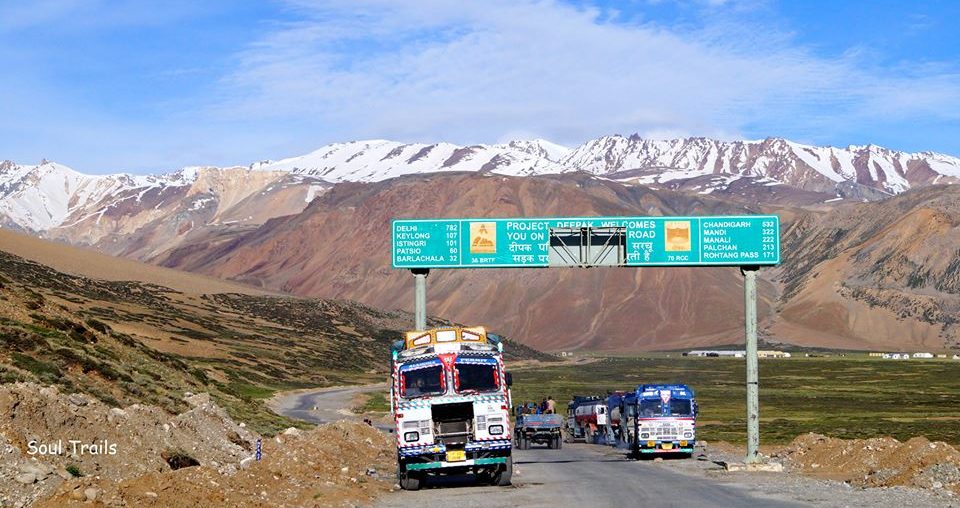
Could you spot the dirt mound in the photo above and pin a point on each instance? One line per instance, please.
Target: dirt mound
(47, 434)
(57, 449)
(877, 462)
(338, 464)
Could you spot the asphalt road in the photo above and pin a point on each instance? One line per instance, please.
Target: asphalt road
(581, 475)
(323, 405)
(588, 476)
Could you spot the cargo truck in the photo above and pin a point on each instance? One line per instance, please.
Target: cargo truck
(450, 398)
(660, 419)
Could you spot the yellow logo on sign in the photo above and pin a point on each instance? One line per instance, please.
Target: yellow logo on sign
(483, 238)
(678, 235)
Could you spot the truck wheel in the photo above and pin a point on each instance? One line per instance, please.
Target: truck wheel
(552, 443)
(525, 443)
(559, 443)
(502, 477)
(409, 481)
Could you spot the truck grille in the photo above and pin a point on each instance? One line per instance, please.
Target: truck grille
(667, 432)
(453, 432)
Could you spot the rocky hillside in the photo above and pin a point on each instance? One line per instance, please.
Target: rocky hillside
(883, 274)
(126, 342)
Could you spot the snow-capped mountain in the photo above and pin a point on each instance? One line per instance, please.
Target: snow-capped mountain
(376, 160)
(42, 196)
(778, 160)
(52, 196)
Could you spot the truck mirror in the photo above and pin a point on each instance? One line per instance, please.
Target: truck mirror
(508, 376)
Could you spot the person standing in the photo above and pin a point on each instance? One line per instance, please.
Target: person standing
(551, 406)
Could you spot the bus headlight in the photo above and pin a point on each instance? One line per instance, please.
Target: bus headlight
(411, 436)
(495, 429)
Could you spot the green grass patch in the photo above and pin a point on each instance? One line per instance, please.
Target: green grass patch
(376, 402)
(848, 397)
(46, 372)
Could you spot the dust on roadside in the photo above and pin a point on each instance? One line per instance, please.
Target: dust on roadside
(336, 464)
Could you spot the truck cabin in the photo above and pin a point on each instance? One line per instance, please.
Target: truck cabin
(448, 361)
(664, 401)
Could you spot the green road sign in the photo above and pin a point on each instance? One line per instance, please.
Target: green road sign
(586, 241)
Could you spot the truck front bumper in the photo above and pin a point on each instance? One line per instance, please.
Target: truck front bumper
(475, 454)
(441, 464)
(667, 446)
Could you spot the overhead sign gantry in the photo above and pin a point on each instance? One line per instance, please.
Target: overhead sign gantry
(748, 242)
(586, 241)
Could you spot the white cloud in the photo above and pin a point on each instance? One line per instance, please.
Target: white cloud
(472, 71)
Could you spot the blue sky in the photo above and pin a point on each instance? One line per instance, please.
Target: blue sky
(148, 86)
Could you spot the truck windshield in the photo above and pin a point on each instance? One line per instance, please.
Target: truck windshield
(654, 408)
(422, 381)
(477, 377)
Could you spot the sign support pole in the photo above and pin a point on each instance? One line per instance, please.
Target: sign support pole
(753, 384)
(420, 298)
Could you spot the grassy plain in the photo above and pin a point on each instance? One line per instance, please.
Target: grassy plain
(847, 397)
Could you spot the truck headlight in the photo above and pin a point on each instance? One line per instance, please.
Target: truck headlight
(495, 429)
(688, 435)
(644, 435)
(411, 436)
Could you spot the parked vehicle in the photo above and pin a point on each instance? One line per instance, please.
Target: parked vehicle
(540, 429)
(660, 419)
(614, 429)
(585, 417)
(450, 398)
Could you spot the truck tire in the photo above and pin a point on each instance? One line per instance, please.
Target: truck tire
(552, 443)
(502, 477)
(408, 480)
(559, 443)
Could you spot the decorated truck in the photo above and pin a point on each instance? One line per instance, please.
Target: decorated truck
(450, 399)
(613, 429)
(586, 416)
(660, 419)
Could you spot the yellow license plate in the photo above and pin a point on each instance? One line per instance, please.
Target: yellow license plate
(456, 456)
(667, 446)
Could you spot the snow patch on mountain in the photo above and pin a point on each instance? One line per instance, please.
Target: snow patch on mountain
(43, 196)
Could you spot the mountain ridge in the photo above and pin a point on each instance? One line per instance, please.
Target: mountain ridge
(50, 195)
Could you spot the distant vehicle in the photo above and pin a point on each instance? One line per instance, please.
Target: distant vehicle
(660, 419)
(585, 415)
(540, 429)
(614, 427)
(450, 398)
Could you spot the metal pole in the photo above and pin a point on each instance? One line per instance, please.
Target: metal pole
(420, 298)
(753, 387)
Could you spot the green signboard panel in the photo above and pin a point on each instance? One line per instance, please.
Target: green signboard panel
(638, 241)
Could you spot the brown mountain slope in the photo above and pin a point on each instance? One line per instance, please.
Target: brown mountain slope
(144, 222)
(340, 247)
(89, 263)
(880, 275)
(124, 338)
